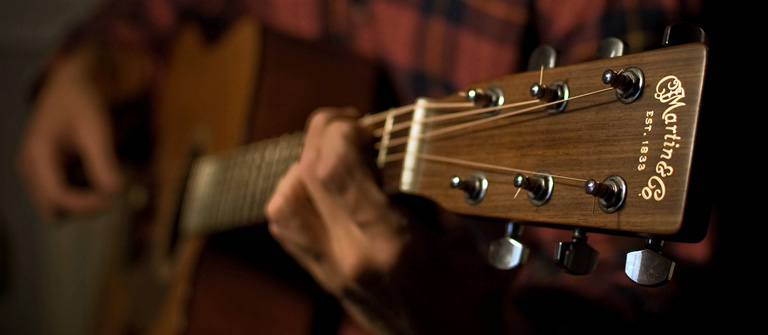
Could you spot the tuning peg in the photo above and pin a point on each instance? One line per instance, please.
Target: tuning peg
(507, 252)
(649, 267)
(577, 257)
(544, 93)
(539, 187)
(557, 91)
(682, 33)
(474, 187)
(610, 193)
(609, 48)
(492, 96)
(544, 56)
(629, 83)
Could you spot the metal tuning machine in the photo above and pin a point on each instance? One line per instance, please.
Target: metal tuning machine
(628, 83)
(488, 97)
(610, 48)
(557, 91)
(539, 187)
(546, 57)
(610, 194)
(543, 57)
(648, 267)
(474, 187)
(508, 252)
(577, 257)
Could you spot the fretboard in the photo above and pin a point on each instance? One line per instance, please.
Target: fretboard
(229, 191)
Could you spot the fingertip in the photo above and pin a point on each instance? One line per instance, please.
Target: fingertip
(321, 117)
(112, 183)
(274, 230)
(271, 210)
(277, 208)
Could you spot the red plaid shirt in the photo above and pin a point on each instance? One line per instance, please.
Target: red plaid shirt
(431, 48)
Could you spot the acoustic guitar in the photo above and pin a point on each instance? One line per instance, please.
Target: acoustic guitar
(605, 146)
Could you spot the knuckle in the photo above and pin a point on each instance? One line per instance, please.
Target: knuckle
(335, 171)
(344, 128)
(279, 208)
(320, 117)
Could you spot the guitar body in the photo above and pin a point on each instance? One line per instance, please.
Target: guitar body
(218, 94)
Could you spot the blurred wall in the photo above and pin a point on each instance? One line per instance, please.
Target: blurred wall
(47, 272)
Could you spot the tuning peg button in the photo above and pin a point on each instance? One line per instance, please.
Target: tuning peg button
(544, 56)
(609, 48)
(577, 257)
(682, 33)
(648, 267)
(508, 252)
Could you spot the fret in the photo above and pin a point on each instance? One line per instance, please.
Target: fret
(267, 162)
(273, 169)
(252, 157)
(222, 197)
(280, 163)
(259, 156)
(238, 191)
(256, 197)
(231, 193)
(221, 201)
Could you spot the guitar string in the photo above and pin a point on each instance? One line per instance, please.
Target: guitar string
(379, 117)
(433, 119)
(401, 140)
(456, 161)
(404, 139)
(372, 119)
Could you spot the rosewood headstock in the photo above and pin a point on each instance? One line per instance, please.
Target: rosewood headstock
(605, 146)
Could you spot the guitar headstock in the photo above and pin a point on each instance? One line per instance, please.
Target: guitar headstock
(603, 146)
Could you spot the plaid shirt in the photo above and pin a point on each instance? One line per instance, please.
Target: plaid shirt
(431, 48)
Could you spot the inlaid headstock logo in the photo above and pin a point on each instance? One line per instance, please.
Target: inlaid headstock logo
(670, 92)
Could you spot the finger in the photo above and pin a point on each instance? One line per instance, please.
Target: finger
(316, 127)
(337, 173)
(41, 167)
(94, 143)
(295, 224)
(362, 224)
(293, 220)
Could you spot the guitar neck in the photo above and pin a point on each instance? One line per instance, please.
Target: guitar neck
(229, 191)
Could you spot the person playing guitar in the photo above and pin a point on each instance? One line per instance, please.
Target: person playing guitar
(397, 264)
